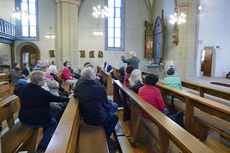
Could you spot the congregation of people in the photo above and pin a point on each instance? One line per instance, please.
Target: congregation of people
(43, 99)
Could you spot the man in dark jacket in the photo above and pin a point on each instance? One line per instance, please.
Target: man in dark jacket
(133, 60)
(35, 107)
(94, 105)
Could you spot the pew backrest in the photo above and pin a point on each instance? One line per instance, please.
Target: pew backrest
(167, 128)
(107, 78)
(4, 89)
(18, 137)
(202, 89)
(64, 139)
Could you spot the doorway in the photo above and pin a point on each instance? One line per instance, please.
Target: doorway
(206, 61)
(28, 54)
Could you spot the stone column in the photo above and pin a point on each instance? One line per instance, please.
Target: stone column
(66, 32)
(187, 48)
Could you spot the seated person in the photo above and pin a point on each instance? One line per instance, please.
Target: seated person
(38, 65)
(74, 74)
(228, 76)
(35, 107)
(121, 74)
(27, 69)
(172, 80)
(66, 75)
(135, 80)
(99, 78)
(15, 75)
(152, 95)
(53, 73)
(94, 105)
(129, 70)
(108, 68)
(53, 67)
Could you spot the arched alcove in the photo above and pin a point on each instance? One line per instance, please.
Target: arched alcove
(27, 52)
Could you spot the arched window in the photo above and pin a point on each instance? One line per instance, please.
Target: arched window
(28, 25)
(114, 38)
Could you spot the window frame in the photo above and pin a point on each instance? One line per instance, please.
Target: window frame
(122, 36)
(19, 23)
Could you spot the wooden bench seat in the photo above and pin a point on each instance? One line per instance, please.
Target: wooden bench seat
(72, 135)
(213, 122)
(92, 139)
(122, 139)
(18, 137)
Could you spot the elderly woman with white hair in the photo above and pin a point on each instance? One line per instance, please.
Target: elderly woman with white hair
(133, 60)
(135, 80)
(94, 105)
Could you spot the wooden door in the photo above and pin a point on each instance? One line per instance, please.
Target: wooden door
(207, 64)
(28, 54)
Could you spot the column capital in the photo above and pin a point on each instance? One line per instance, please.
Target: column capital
(70, 2)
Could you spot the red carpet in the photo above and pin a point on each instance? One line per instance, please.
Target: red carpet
(221, 84)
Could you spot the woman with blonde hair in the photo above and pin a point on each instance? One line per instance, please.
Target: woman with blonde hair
(135, 80)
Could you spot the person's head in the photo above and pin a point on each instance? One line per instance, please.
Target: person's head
(86, 63)
(15, 65)
(132, 54)
(53, 63)
(26, 64)
(88, 74)
(38, 62)
(106, 63)
(171, 71)
(129, 69)
(37, 78)
(151, 79)
(122, 70)
(44, 69)
(67, 64)
(135, 77)
(89, 65)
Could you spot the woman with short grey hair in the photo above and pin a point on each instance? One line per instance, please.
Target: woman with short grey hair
(35, 107)
(135, 80)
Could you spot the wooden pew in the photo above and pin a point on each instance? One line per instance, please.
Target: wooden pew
(65, 85)
(4, 90)
(167, 129)
(18, 137)
(116, 73)
(107, 78)
(72, 135)
(201, 114)
(202, 89)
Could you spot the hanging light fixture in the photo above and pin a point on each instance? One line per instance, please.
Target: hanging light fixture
(98, 31)
(16, 13)
(99, 12)
(50, 34)
(177, 19)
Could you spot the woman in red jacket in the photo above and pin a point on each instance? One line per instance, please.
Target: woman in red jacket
(66, 75)
(152, 95)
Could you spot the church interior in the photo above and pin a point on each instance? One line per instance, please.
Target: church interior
(107, 37)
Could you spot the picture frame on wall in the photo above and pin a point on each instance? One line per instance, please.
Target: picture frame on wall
(51, 52)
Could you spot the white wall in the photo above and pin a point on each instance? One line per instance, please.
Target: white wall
(214, 31)
(135, 15)
(6, 10)
(46, 9)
